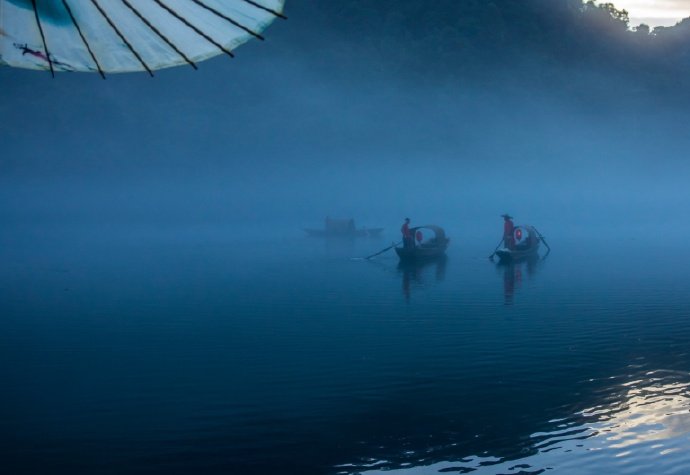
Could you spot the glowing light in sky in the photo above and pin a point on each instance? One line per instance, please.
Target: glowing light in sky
(654, 12)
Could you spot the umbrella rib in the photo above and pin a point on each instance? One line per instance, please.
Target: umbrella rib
(43, 38)
(83, 38)
(161, 35)
(227, 18)
(269, 10)
(194, 28)
(122, 37)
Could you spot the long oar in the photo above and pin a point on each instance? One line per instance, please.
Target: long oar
(383, 250)
(497, 246)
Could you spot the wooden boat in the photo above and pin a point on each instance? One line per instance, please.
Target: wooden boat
(419, 250)
(526, 240)
(342, 228)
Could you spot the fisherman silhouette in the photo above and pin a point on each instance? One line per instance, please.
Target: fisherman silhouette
(407, 236)
(508, 227)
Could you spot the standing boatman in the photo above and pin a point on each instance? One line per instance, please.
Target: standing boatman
(508, 228)
(408, 239)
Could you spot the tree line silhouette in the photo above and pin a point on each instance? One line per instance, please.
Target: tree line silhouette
(547, 43)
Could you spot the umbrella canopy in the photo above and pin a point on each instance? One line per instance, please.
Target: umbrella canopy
(108, 36)
(438, 231)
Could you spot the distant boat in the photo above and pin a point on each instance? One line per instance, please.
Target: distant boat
(343, 228)
(420, 249)
(526, 240)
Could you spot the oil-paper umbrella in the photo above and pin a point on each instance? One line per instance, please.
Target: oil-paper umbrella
(112, 36)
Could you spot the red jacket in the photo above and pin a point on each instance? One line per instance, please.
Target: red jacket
(508, 228)
(405, 230)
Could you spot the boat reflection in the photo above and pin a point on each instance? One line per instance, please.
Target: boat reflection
(514, 272)
(416, 273)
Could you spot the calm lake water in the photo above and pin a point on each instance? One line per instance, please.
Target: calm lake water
(194, 352)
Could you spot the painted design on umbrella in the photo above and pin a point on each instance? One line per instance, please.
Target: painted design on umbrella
(127, 35)
(43, 59)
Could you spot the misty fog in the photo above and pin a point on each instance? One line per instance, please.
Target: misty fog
(312, 122)
(164, 311)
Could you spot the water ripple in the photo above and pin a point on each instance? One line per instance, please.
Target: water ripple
(645, 421)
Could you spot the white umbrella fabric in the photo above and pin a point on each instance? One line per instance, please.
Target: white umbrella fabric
(113, 36)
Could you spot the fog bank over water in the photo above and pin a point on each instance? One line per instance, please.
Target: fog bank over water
(356, 111)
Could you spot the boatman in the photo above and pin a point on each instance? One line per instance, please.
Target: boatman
(508, 228)
(407, 237)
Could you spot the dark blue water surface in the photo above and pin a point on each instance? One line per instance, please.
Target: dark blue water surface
(201, 351)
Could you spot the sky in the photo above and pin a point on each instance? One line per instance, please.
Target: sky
(655, 12)
(342, 113)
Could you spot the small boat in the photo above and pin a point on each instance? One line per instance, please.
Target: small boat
(343, 228)
(419, 249)
(526, 240)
